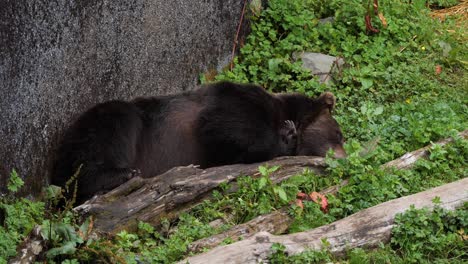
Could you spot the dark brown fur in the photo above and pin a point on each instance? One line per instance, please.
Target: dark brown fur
(219, 124)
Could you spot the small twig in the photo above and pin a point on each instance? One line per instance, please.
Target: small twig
(336, 65)
(231, 66)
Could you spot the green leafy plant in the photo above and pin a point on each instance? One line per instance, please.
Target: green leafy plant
(15, 182)
(62, 237)
(18, 217)
(424, 236)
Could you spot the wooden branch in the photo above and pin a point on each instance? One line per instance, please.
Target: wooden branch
(278, 222)
(409, 159)
(177, 190)
(368, 228)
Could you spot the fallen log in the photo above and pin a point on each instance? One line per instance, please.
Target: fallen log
(367, 228)
(169, 194)
(275, 222)
(278, 221)
(409, 159)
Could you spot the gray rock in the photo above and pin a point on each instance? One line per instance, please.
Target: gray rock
(59, 57)
(326, 20)
(321, 65)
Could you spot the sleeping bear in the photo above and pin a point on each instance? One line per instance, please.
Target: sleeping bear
(218, 124)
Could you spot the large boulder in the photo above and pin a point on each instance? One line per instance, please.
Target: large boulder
(57, 58)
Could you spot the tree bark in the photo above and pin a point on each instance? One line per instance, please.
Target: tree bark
(367, 228)
(179, 189)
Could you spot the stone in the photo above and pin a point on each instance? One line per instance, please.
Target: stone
(319, 64)
(327, 20)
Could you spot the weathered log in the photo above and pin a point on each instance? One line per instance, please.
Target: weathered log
(278, 221)
(366, 228)
(275, 222)
(177, 190)
(408, 160)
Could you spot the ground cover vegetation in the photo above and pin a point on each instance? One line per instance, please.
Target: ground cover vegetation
(400, 89)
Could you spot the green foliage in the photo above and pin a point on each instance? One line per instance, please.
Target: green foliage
(421, 236)
(62, 238)
(279, 255)
(67, 240)
(370, 184)
(281, 29)
(309, 217)
(253, 197)
(151, 246)
(381, 66)
(15, 182)
(18, 216)
(443, 3)
(21, 215)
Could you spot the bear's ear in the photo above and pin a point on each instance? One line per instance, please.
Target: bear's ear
(328, 99)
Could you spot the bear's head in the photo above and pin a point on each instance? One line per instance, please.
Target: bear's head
(320, 132)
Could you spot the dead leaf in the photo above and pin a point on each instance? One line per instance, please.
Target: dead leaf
(315, 196)
(369, 24)
(438, 69)
(383, 20)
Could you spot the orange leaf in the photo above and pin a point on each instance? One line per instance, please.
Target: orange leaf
(315, 196)
(438, 69)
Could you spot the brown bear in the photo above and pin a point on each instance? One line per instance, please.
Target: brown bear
(218, 124)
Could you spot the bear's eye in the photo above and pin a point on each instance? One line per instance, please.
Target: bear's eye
(339, 136)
